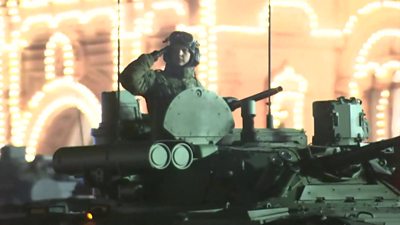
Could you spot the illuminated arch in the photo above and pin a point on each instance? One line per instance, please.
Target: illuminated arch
(386, 74)
(68, 55)
(295, 89)
(55, 97)
(383, 122)
(83, 17)
(38, 19)
(369, 9)
(208, 31)
(315, 28)
(260, 28)
(362, 66)
(373, 6)
(17, 127)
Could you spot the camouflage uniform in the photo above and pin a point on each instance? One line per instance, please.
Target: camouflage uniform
(158, 87)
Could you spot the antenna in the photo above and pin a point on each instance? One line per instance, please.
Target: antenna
(270, 119)
(118, 60)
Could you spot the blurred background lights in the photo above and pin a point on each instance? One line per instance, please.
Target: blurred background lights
(23, 116)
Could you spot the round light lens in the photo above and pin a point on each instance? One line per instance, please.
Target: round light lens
(182, 156)
(159, 156)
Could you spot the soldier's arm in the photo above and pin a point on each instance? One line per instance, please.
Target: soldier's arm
(138, 77)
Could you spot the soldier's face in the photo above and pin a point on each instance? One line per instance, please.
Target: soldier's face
(180, 55)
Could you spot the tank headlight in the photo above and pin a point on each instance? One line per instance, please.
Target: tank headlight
(182, 156)
(159, 156)
(89, 216)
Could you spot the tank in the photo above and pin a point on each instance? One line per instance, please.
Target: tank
(213, 173)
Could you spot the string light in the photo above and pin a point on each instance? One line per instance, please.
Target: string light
(13, 11)
(206, 31)
(68, 56)
(373, 6)
(208, 39)
(14, 75)
(349, 26)
(381, 118)
(391, 67)
(2, 86)
(353, 88)
(84, 17)
(138, 29)
(361, 67)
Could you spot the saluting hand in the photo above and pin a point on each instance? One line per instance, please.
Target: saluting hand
(157, 53)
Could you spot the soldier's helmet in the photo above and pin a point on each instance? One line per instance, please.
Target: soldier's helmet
(187, 40)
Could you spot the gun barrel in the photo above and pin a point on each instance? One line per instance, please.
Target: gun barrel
(360, 155)
(117, 158)
(256, 97)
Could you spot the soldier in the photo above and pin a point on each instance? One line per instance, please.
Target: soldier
(159, 87)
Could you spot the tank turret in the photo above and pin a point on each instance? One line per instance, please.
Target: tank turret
(213, 173)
